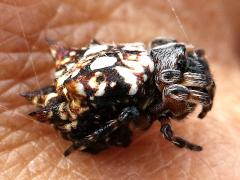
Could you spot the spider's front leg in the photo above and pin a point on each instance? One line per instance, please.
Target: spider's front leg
(176, 99)
(166, 77)
(168, 134)
(181, 100)
(126, 116)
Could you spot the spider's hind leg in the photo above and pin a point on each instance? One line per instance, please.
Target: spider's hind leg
(128, 114)
(96, 147)
(121, 137)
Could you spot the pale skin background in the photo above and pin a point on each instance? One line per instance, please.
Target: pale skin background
(30, 150)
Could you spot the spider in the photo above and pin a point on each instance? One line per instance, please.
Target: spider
(102, 90)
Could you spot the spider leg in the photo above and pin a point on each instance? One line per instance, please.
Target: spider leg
(196, 80)
(121, 137)
(204, 99)
(125, 117)
(168, 134)
(96, 147)
(39, 96)
(176, 98)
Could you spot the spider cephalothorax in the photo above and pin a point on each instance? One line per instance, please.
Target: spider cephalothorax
(101, 89)
(183, 76)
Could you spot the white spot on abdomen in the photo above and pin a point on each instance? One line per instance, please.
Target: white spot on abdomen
(59, 73)
(50, 96)
(69, 66)
(75, 72)
(80, 89)
(112, 84)
(62, 79)
(145, 77)
(92, 82)
(61, 110)
(129, 78)
(64, 91)
(145, 60)
(103, 62)
(134, 65)
(134, 46)
(101, 89)
(72, 53)
(95, 49)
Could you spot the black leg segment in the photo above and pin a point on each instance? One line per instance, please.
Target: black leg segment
(126, 116)
(168, 134)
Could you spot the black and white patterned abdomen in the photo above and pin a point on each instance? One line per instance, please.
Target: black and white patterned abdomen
(106, 70)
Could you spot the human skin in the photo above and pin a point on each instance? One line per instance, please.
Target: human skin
(31, 150)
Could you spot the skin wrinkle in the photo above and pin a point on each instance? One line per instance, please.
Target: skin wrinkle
(95, 20)
(132, 175)
(95, 165)
(9, 85)
(56, 168)
(7, 174)
(169, 163)
(8, 39)
(27, 44)
(26, 165)
(187, 175)
(43, 151)
(120, 151)
(19, 146)
(217, 130)
(39, 155)
(20, 157)
(8, 136)
(215, 175)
